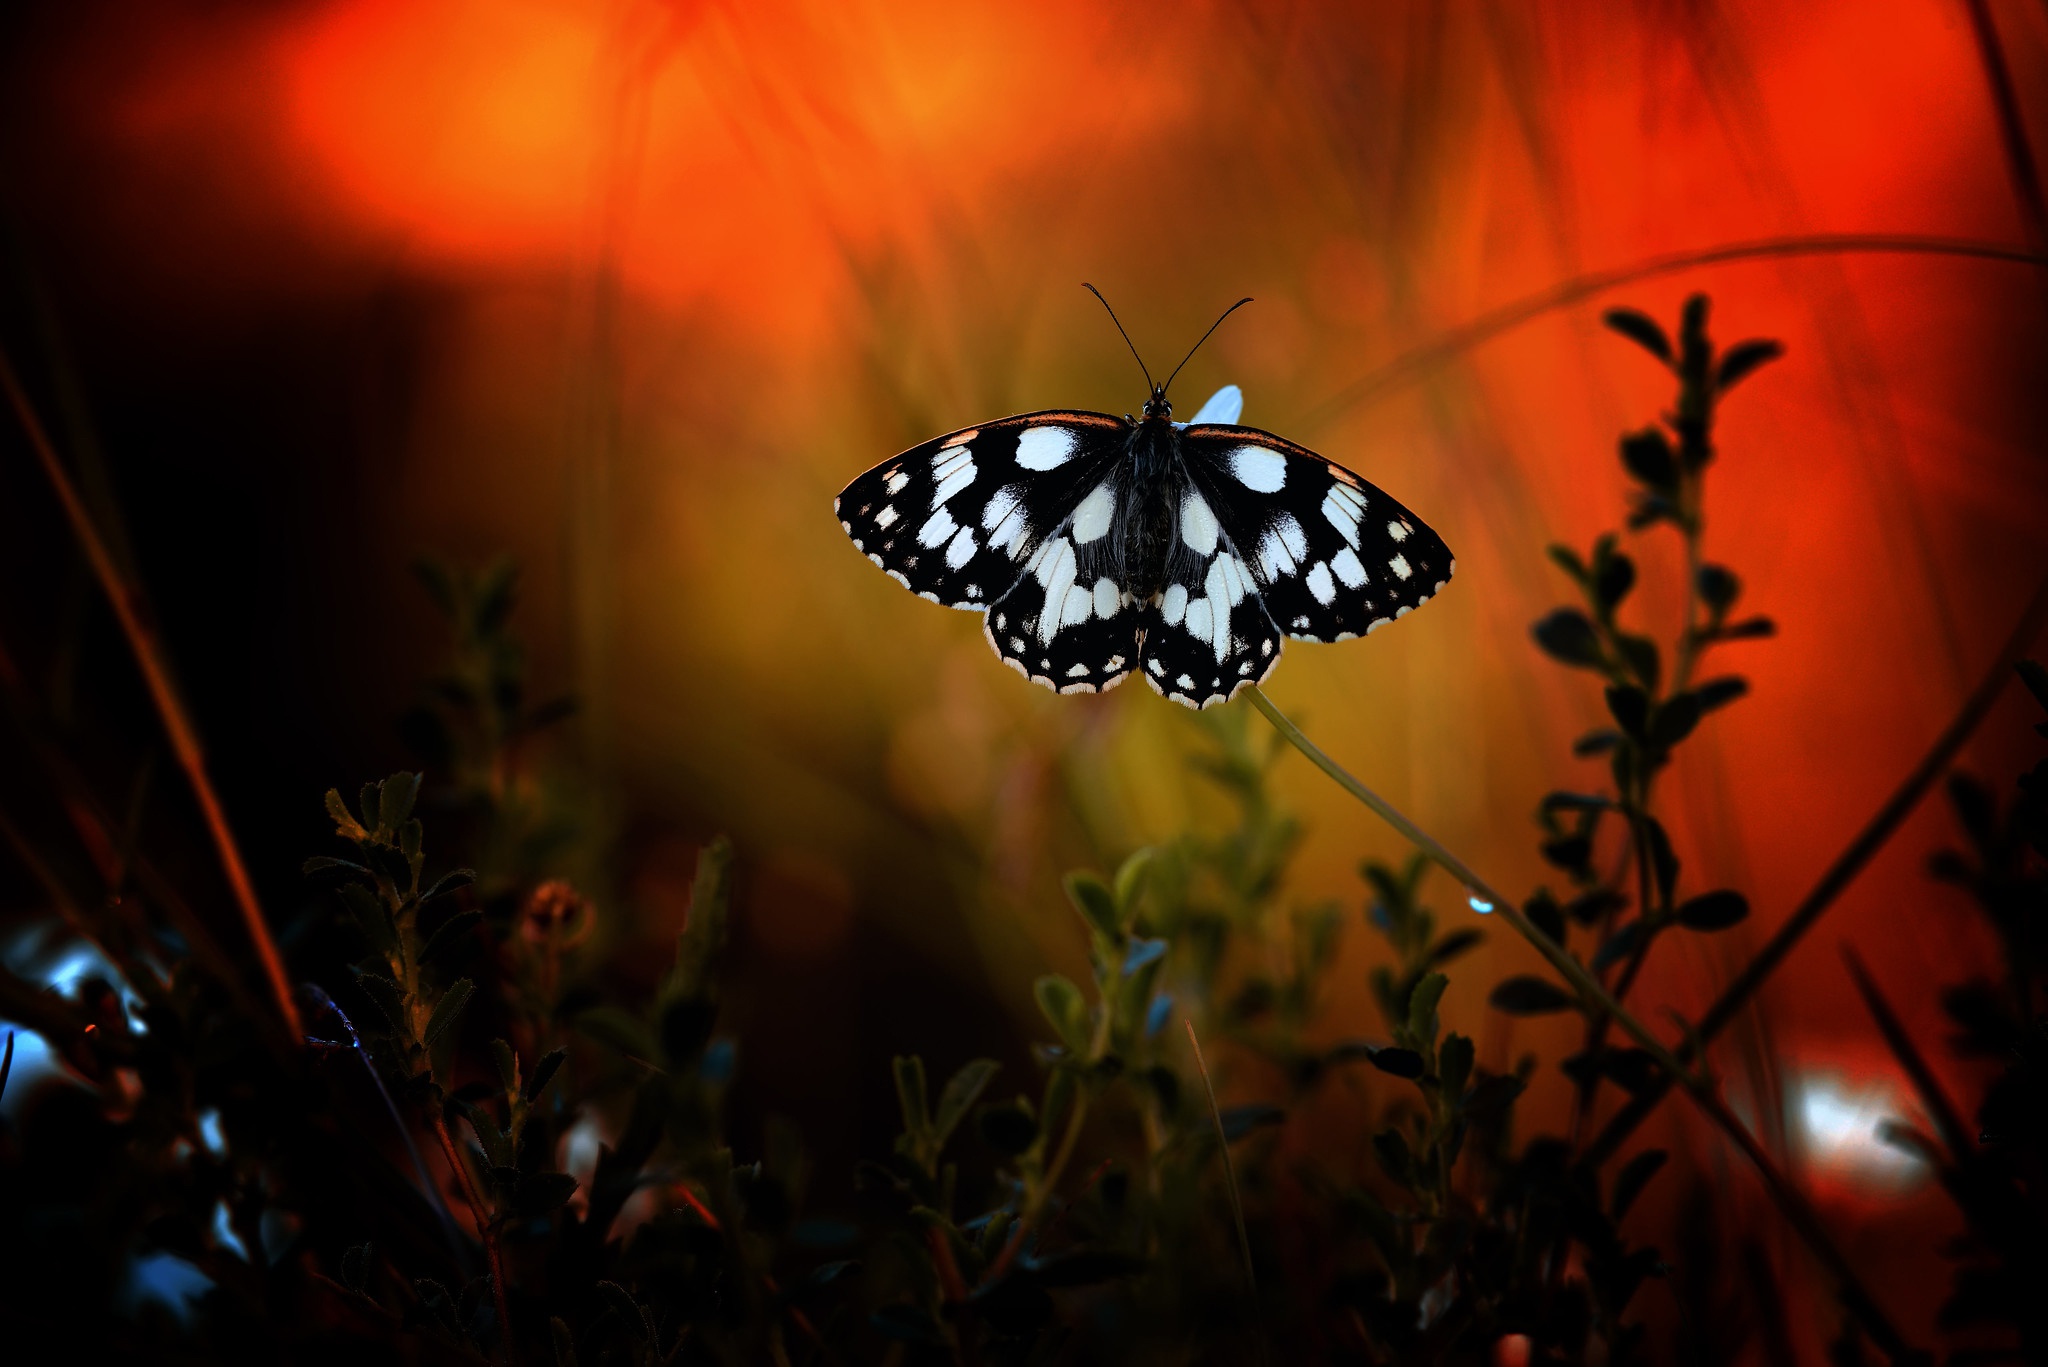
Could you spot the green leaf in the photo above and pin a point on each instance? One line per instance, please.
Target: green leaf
(1630, 707)
(1742, 358)
(959, 1094)
(446, 1010)
(1568, 560)
(1454, 944)
(370, 801)
(1545, 914)
(1639, 653)
(372, 915)
(1647, 455)
(320, 865)
(1130, 884)
(1718, 587)
(1567, 635)
(1392, 1059)
(1096, 903)
(1454, 1066)
(1422, 1003)
(1633, 1177)
(1720, 692)
(911, 1095)
(1641, 329)
(395, 800)
(1617, 577)
(1065, 1010)
(345, 826)
(1596, 743)
(1674, 720)
(508, 1064)
(541, 1193)
(1526, 995)
(386, 995)
(1749, 629)
(1713, 910)
(448, 932)
(544, 1073)
(704, 931)
(447, 883)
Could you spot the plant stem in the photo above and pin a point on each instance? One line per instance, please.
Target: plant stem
(1789, 1200)
(1244, 1241)
(1034, 1205)
(1843, 871)
(126, 601)
(485, 1231)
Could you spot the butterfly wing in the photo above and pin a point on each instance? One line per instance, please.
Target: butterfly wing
(959, 519)
(1208, 635)
(1331, 556)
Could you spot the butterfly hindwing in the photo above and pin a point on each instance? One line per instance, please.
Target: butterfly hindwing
(1208, 635)
(1067, 623)
(957, 519)
(1331, 555)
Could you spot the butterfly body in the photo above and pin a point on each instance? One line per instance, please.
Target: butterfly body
(1098, 547)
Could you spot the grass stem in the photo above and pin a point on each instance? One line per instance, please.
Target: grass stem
(126, 601)
(486, 1231)
(1244, 1238)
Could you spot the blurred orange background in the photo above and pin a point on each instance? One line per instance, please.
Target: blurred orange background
(665, 276)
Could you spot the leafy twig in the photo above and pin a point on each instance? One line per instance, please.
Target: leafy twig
(1798, 1212)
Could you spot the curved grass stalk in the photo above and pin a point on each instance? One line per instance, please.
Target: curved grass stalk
(1447, 346)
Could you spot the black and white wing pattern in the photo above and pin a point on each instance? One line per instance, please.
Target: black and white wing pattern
(1208, 635)
(958, 519)
(1012, 519)
(1331, 556)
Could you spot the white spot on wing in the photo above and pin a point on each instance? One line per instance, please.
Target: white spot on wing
(1201, 621)
(1156, 667)
(896, 482)
(1260, 469)
(1397, 531)
(1106, 597)
(1343, 506)
(1375, 624)
(937, 528)
(955, 479)
(1078, 671)
(1079, 603)
(1091, 519)
(1173, 607)
(1319, 584)
(960, 549)
(1045, 448)
(886, 518)
(1056, 572)
(1399, 565)
(1185, 682)
(1198, 525)
(1348, 569)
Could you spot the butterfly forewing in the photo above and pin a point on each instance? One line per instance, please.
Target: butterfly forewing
(958, 519)
(1331, 555)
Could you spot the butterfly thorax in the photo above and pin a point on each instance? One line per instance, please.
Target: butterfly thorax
(1146, 514)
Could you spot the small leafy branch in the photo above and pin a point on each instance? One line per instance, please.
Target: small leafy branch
(1652, 714)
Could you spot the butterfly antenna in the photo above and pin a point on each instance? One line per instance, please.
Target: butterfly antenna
(1120, 328)
(1205, 337)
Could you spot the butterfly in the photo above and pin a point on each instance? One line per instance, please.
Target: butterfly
(1098, 547)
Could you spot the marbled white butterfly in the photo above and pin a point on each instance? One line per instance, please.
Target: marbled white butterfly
(1098, 547)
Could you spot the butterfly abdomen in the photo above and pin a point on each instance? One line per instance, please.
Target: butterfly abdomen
(1146, 536)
